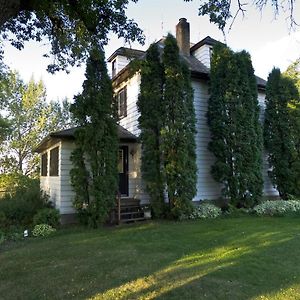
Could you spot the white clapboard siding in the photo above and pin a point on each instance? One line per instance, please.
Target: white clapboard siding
(207, 187)
(203, 55)
(67, 193)
(269, 190)
(133, 88)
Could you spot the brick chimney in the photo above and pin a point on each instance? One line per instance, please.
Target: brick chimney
(183, 36)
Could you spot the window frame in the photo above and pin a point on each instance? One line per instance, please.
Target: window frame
(122, 102)
(54, 162)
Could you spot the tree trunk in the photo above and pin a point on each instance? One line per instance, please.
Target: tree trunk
(8, 9)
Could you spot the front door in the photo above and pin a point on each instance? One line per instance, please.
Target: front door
(123, 170)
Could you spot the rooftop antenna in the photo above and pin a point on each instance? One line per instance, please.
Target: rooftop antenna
(162, 25)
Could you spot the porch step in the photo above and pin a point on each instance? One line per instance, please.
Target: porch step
(130, 211)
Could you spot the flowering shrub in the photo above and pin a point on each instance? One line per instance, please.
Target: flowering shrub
(43, 230)
(204, 211)
(277, 208)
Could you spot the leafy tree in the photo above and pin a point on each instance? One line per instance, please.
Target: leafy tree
(150, 107)
(72, 26)
(178, 134)
(95, 174)
(281, 133)
(293, 72)
(31, 118)
(233, 118)
(222, 12)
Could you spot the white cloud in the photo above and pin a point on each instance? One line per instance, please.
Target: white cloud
(280, 53)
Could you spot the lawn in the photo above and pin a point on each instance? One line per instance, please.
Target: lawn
(238, 258)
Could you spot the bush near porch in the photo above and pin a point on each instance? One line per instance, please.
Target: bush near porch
(226, 258)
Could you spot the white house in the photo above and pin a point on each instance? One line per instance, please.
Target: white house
(55, 149)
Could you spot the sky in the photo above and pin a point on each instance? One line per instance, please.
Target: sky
(267, 38)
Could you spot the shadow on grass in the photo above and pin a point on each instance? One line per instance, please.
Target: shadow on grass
(219, 259)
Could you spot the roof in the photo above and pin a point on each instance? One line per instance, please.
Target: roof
(69, 134)
(128, 52)
(206, 41)
(197, 68)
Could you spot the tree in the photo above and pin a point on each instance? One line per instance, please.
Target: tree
(95, 174)
(233, 119)
(293, 72)
(222, 12)
(280, 137)
(150, 107)
(72, 26)
(31, 118)
(178, 133)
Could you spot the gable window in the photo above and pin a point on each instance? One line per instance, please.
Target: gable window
(122, 102)
(44, 164)
(210, 51)
(114, 68)
(54, 161)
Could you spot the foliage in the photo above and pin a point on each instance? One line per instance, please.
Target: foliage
(178, 147)
(204, 211)
(233, 119)
(222, 12)
(72, 27)
(95, 159)
(150, 107)
(277, 208)
(281, 134)
(2, 237)
(31, 118)
(293, 72)
(19, 207)
(49, 216)
(42, 230)
(167, 123)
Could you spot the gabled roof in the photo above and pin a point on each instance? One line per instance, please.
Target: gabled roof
(128, 52)
(206, 41)
(197, 68)
(69, 134)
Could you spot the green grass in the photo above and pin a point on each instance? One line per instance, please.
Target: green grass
(240, 258)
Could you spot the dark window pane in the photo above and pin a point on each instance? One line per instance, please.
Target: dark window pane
(54, 162)
(44, 165)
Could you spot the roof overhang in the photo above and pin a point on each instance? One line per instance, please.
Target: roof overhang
(69, 135)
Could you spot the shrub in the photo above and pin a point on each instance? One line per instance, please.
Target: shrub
(20, 206)
(43, 230)
(277, 208)
(49, 216)
(204, 211)
(2, 237)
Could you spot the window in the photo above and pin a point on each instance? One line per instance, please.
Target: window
(210, 51)
(122, 102)
(114, 68)
(54, 162)
(44, 164)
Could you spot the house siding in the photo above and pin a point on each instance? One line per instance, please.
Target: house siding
(130, 122)
(203, 55)
(67, 193)
(207, 187)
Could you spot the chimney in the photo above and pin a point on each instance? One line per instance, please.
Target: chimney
(183, 36)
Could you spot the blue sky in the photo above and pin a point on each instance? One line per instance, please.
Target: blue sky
(269, 41)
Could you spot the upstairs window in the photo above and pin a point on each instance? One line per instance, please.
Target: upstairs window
(44, 164)
(122, 103)
(54, 161)
(114, 68)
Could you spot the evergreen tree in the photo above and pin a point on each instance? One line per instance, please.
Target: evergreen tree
(150, 107)
(95, 159)
(279, 134)
(233, 118)
(178, 134)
